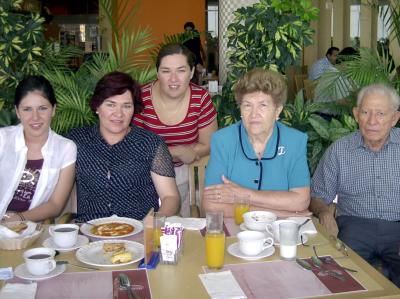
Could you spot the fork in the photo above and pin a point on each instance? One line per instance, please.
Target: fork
(125, 283)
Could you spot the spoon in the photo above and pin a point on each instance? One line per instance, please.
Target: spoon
(306, 265)
(328, 260)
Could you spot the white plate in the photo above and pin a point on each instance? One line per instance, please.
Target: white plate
(138, 226)
(92, 253)
(234, 250)
(82, 240)
(22, 272)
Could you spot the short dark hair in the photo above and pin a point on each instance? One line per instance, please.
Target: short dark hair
(189, 24)
(34, 83)
(330, 50)
(116, 83)
(171, 49)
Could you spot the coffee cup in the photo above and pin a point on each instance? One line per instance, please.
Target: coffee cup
(40, 261)
(64, 235)
(253, 242)
(273, 228)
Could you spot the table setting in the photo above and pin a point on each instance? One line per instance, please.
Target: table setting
(84, 267)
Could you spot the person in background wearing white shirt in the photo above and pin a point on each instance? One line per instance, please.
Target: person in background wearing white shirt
(324, 64)
(37, 165)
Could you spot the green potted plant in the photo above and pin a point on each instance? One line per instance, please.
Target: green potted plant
(269, 34)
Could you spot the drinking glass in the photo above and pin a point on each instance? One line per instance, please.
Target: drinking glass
(241, 206)
(159, 222)
(215, 240)
(288, 236)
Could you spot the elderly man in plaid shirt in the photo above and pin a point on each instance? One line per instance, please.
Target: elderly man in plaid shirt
(363, 171)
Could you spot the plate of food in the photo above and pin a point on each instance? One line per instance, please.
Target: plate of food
(111, 227)
(110, 253)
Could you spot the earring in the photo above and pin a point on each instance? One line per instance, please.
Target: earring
(97, 112)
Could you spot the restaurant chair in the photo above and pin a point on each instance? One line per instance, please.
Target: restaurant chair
(196, 185)
(309, 89)
(69, 212)
(299, 81)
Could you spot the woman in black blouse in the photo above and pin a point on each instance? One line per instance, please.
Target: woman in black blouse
(121, 169)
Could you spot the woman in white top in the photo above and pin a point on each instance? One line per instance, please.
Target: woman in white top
(37, 165)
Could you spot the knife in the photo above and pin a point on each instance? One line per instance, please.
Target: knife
(75, 265)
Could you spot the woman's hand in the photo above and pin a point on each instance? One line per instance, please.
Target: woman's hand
(184, 153)
(223, 193)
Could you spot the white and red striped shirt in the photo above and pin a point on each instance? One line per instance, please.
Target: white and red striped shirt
(200, 114)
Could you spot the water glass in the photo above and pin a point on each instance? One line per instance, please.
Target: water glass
(159, 222)
(288, 237)
(241, 206)
(215, 240)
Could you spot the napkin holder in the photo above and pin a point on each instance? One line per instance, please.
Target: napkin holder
(171, 249)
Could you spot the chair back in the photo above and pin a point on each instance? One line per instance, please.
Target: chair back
(196, 185)
(299, 81)
(309, 89)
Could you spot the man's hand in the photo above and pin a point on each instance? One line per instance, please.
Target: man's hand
(327, 219)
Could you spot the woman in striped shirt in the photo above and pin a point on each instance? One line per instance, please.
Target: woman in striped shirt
(181, 112)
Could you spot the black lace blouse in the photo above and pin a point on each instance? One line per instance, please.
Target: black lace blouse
(115, 179)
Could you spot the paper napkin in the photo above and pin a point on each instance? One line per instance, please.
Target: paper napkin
(222, 285)
(18, 290)
(6, 233)
(308, 228)
(188, 223)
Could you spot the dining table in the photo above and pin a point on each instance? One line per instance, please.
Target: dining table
(181, 280)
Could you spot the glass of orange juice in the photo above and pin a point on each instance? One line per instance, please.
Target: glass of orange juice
(241, 206)
(159, 221)
(215, 240)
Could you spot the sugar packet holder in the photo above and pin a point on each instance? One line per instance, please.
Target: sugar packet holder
(171, 243)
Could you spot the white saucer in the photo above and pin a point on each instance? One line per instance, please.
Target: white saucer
(243, 226)
(82, 240)
(22, 272)
(234, 250)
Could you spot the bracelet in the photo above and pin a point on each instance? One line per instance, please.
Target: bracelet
(21, 216)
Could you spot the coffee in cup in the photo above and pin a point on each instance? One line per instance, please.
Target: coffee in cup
(253, 242)
(64, 235)
(40, 261)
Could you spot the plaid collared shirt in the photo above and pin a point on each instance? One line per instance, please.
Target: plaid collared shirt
(367, 183)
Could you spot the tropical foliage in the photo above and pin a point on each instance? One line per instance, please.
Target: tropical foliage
(21, 52)
(269, 34)
(321, 133)
(127, 54)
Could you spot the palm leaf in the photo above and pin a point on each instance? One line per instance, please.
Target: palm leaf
(123, 14)
(72, 100)
(391, 18)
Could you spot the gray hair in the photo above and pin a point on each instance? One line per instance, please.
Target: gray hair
(380, 89)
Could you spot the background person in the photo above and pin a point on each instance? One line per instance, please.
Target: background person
(324, 64)
(121, 169)
(181, 112)
(258, 155)
(194, 45)
(362, 169)
(37, 165)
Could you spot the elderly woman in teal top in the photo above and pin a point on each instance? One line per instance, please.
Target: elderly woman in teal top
(258, 155)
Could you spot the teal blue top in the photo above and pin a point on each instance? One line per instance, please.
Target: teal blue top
(282, 167)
